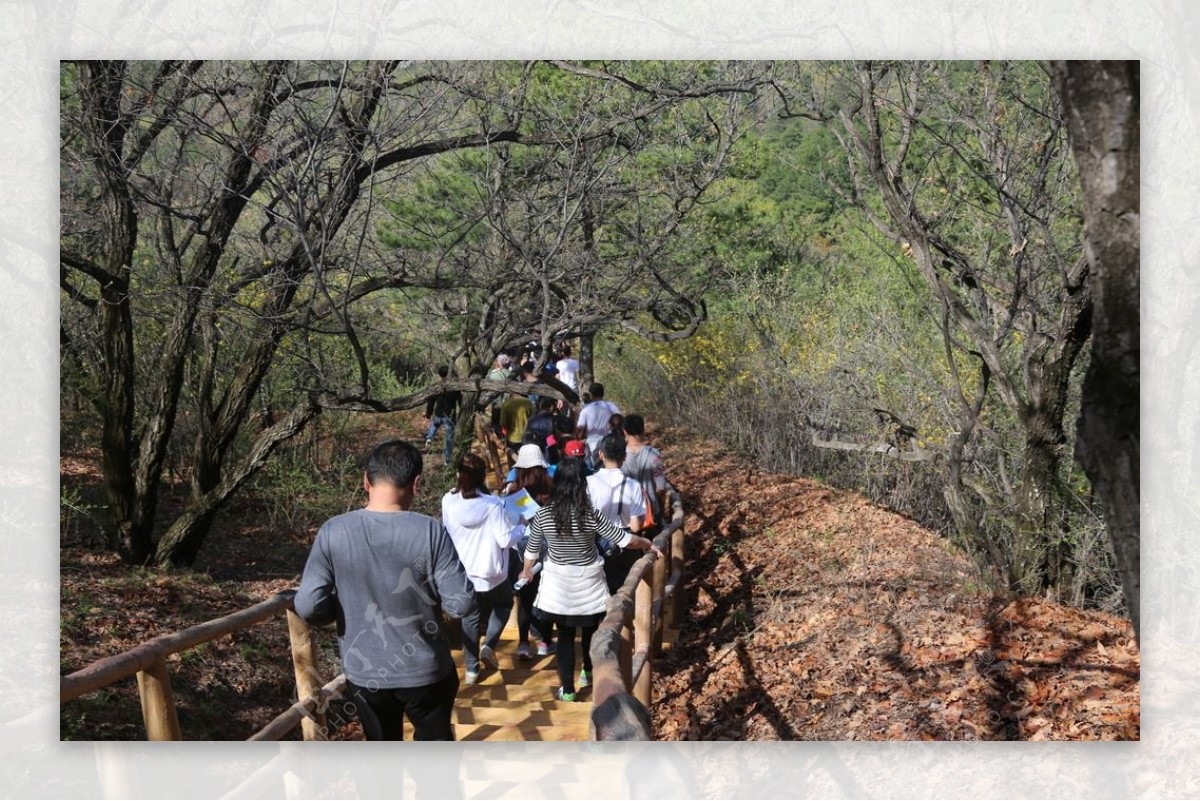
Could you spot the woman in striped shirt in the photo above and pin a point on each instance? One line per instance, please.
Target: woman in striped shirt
(573, 592)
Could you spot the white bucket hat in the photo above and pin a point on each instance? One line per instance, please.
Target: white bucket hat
(531, 456)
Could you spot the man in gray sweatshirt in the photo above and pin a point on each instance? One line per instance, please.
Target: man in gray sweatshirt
(385, 574)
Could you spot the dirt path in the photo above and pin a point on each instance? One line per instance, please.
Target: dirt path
(818, 616)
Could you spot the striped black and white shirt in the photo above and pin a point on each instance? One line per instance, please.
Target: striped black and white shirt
(574, 547)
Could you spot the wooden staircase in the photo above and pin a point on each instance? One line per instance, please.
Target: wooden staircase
(516, 702)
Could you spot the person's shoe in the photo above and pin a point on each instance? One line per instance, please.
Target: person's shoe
(543, 649)
(428, 445)
(559, 695)
(584, 679)
(524, 651)
(488, 657)
(472, 677)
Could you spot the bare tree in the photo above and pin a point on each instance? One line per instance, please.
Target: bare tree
(965, 168)
(219, 230)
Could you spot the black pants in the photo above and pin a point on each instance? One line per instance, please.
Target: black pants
(616, 568)
(564, 652)
(543, 630)
(429, 708)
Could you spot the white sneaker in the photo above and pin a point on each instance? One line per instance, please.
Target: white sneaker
(543, 649)
(472, 677)
(488, 657)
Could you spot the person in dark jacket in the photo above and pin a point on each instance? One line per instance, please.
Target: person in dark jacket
(385, 575)
(439, 413)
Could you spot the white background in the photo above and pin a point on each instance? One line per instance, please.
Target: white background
(35, 34)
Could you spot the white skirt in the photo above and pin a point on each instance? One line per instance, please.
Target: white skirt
(572, 589)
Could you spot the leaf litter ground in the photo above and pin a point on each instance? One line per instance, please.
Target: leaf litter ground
(816, 615)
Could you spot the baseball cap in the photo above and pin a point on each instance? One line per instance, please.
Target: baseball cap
(575, 447)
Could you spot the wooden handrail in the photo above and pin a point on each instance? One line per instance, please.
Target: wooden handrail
(307, 710)
(630, 636)
(148, 661)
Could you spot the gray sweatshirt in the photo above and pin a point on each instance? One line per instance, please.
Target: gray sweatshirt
(385, 578)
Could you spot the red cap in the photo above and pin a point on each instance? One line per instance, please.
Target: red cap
(575, 447)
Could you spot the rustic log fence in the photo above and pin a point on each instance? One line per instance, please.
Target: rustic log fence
(148, 661)
(628, 638)
(631, 636)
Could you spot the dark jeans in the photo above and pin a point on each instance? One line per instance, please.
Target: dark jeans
(494, 606)
(447, 423)
(429, 708)
(564, 651)
(543, 630)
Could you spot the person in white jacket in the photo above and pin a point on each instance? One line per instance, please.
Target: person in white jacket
(483, 530)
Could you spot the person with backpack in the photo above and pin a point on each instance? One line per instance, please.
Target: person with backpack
(621, 500)
(644, 464)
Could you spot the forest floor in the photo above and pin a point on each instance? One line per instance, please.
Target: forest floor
(813, 615)
(816, 615)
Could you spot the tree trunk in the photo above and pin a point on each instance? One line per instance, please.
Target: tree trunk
(587, 361)
(129, 531)
(1102, 101)
(181, 543)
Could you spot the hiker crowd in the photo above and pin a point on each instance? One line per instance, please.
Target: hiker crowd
(583, 498)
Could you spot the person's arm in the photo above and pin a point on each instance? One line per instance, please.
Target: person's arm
(506, 526)
(533, 549)
(429, 406)
(316, 599)
(454, 588)
(621, 537)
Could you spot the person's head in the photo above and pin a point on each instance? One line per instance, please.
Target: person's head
(503, 361)
(546, 403)
(527, 372)
(472, 476)
(612, 450)
(443, 371)
(596, 391)
(575, 449)
(569, 497)
(614, 423)
(565, 350)
(634, 425)
(536, 481)
(392, 468)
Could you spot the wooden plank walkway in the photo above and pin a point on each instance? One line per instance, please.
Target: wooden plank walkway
(516, 702)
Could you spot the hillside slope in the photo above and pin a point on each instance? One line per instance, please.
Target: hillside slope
(816, 615)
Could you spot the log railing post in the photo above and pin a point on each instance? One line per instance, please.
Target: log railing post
(658, 592)
(158, 702)
(676, 608)
(625, 660)
(308, 681)
(642, 625)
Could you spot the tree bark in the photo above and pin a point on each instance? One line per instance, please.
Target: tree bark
(1102, 102)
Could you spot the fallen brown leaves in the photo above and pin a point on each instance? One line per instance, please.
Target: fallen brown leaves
(815, 615)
